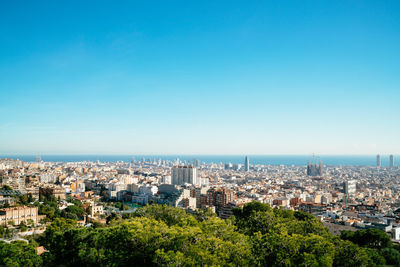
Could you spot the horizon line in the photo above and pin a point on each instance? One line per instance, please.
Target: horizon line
(176, 154)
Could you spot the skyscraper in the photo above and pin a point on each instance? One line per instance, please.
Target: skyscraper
(378, 160)
(391, 161)
(196, 163)
(349, 187)
(246, 164)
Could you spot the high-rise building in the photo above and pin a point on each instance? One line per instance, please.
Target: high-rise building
(196, 163)
(378, 160)
(220, 197)
(391, 161)
(184, 175)
(349, 187)
(246, 164)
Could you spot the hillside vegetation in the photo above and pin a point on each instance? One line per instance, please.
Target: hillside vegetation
(256, 235)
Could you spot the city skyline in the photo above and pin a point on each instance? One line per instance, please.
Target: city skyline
(230, 161)
(228, 78)
(201, 133)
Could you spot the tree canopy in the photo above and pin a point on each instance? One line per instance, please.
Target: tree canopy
(256, 235)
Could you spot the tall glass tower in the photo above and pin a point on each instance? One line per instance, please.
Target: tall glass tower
(246, 164)
(391, 161)
(378, 160)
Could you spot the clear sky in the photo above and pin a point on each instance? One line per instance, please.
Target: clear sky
(199, 77)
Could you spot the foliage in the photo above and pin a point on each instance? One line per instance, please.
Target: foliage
(372, 238)
(391, 255)
(6, 187)
(22, 226)
(256, 236)
(257, 217)
(49, 207)
(151, 238)
(121, 206)
(18, 253)
(73, 212)
(204, 214)
(2, 231)
(112, 217)
(55, 230)
(296, 250)
(25, 199)
(348, 254)
(167, 214)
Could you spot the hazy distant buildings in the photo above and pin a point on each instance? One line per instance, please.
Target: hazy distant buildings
(237, 167)
(246, 164)
(38, 159)
(314, 169)
(196, 163)
(228, 166)
(184, 175)
(378, 160)
(391, 161)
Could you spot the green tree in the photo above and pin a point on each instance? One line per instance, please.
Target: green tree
(347, 254)
(372, 238)
(391, 255)
(249, 208)
(204, 214)
(54, 232)
(375, 258)
(146, 241)
(6, 187)
(112, 217)
(167, 214)
(22, 226)
(161, 235)
(23, 199)
(258, 217)
(18, 253)
(77, 210)
(2, 231)
(291, 250)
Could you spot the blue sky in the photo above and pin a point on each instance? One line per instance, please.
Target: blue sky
(199, 77)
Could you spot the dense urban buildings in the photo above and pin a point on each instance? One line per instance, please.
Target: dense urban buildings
(359, 197)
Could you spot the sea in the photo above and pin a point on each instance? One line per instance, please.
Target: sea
(288, 160)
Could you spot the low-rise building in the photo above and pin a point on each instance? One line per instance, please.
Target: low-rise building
(19, 214)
